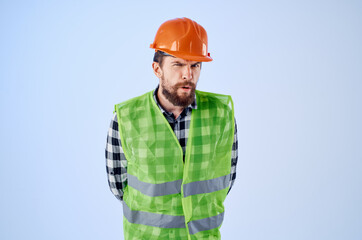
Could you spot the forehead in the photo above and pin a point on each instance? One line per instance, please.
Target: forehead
(171, 59)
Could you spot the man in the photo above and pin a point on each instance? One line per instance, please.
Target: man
(171, 153)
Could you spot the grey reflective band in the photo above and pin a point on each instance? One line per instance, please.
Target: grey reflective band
(153, 219)
(154, 190)
(205, 223)
(206, 186)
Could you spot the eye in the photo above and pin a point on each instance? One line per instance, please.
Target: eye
(178, 64)
(196, 65)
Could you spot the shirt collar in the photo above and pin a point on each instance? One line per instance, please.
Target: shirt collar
(193, 105)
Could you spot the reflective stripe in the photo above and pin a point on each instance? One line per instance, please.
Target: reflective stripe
(205, 223)
(153, 219)
(154, 190)
(206, 186)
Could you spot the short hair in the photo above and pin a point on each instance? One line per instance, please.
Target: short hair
(158, 57)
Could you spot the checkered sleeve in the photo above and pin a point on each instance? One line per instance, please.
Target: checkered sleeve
(234, 158)
(116, 162)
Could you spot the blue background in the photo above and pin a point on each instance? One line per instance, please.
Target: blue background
(294, 69)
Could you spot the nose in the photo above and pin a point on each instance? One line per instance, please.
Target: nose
(187, 73)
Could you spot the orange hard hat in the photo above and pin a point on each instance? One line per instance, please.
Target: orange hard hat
(182, 38)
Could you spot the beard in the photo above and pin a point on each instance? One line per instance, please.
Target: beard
(182, 100)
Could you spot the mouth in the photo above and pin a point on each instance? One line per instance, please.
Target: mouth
(186, 87)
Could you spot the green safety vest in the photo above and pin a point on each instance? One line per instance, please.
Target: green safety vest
(166, 197)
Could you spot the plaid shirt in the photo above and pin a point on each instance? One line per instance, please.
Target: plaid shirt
(116, 162)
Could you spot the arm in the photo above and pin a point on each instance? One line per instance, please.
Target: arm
(116, 162)
(234, 159)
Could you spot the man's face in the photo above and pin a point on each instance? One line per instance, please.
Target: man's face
(178, 80)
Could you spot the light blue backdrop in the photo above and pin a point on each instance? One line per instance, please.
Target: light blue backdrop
(294, 69)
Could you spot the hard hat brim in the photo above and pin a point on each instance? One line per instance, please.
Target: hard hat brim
(186, 56)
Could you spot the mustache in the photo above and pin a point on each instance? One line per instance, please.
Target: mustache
(183, 84)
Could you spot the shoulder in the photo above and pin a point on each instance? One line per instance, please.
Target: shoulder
(213, 98)
(136, 101)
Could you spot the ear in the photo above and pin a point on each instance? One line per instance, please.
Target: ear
(157, 69)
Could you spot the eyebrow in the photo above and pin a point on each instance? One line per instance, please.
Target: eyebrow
(176, 61)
